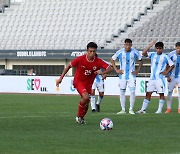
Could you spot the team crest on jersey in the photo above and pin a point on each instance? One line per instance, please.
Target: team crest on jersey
(94, 68)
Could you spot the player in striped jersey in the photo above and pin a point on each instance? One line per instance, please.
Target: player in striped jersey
(174, 77)
(127, 74)
(159, 61)
(99, 85)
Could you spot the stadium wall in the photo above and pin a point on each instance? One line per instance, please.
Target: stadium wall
(10, 58)
(47, 85)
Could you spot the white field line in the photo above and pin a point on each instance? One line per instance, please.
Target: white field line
(58, 114)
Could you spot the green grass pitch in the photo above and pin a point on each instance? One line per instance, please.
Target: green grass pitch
(45, 124)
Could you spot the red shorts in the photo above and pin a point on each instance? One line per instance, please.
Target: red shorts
(81, 88)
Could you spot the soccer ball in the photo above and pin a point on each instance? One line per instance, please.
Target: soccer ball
(106, 124)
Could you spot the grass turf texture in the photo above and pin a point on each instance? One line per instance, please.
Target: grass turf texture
(44, 124)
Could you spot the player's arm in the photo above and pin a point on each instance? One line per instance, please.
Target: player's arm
(104, 76)
(167, 76)
(108, 70)
(169, 69)
(66, 69)
(145, 51)
(118, 71)
(139, 68)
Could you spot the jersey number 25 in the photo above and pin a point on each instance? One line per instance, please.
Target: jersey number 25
(87, 72)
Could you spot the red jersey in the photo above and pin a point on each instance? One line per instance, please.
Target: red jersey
(85, 69)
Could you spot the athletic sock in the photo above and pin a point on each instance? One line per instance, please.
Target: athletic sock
(161, 103)
(169, 100)
(145, 104)
(132, 100)
(122, 100)
(81, 110)
(93, 105)
(86, 107)
(99, 100)
(179, 98)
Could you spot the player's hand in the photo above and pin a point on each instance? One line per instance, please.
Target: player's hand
(58, 82)
(164, 73)
(152, 43)
(168, 79)
(104, 76)
(134, 72)
(98, 72)
(119, 71)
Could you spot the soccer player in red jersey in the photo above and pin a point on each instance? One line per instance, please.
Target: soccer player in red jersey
(87, 67)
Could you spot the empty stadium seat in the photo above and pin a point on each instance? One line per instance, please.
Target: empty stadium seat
(37, 20)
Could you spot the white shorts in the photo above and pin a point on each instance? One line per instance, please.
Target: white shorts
(131, 83)
(156, 85)
(173, 83)
(99, 86)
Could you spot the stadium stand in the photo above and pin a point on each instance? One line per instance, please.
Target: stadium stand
(163, 25)
(70, 24)
(53, 24)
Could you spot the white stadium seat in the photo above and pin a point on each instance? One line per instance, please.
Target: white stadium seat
(71, 20)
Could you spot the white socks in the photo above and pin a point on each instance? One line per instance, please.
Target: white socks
(93, 105)
(132, 100)
(122, 100)
(161, 103)
(169, 100)
(93, 100)
(145, 104)
(99, 100)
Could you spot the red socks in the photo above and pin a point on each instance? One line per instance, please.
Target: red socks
(82, 109)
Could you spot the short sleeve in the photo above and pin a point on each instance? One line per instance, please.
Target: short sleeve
(150, 54)
(170, 62)
(103, 64)
(115, 56)
(75, 61)
(139, 55)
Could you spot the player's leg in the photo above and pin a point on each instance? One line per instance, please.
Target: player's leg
(93, 97)
(122, 85)
(178, 80)
(146, 101)
(169, 102)
(161, 103)
(100, 97)
(171, 86)
(84, 102)
(100, 88)
(132, 87)
(82, 108)
(160, 87)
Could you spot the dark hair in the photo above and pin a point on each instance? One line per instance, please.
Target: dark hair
(128, 41)
(159, 44)
(177, 44)
(92, 45)
(96, 55)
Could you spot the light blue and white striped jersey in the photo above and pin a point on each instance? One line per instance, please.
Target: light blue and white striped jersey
(127, 62)
(98, 78)
(175, 73)
(158, 64)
